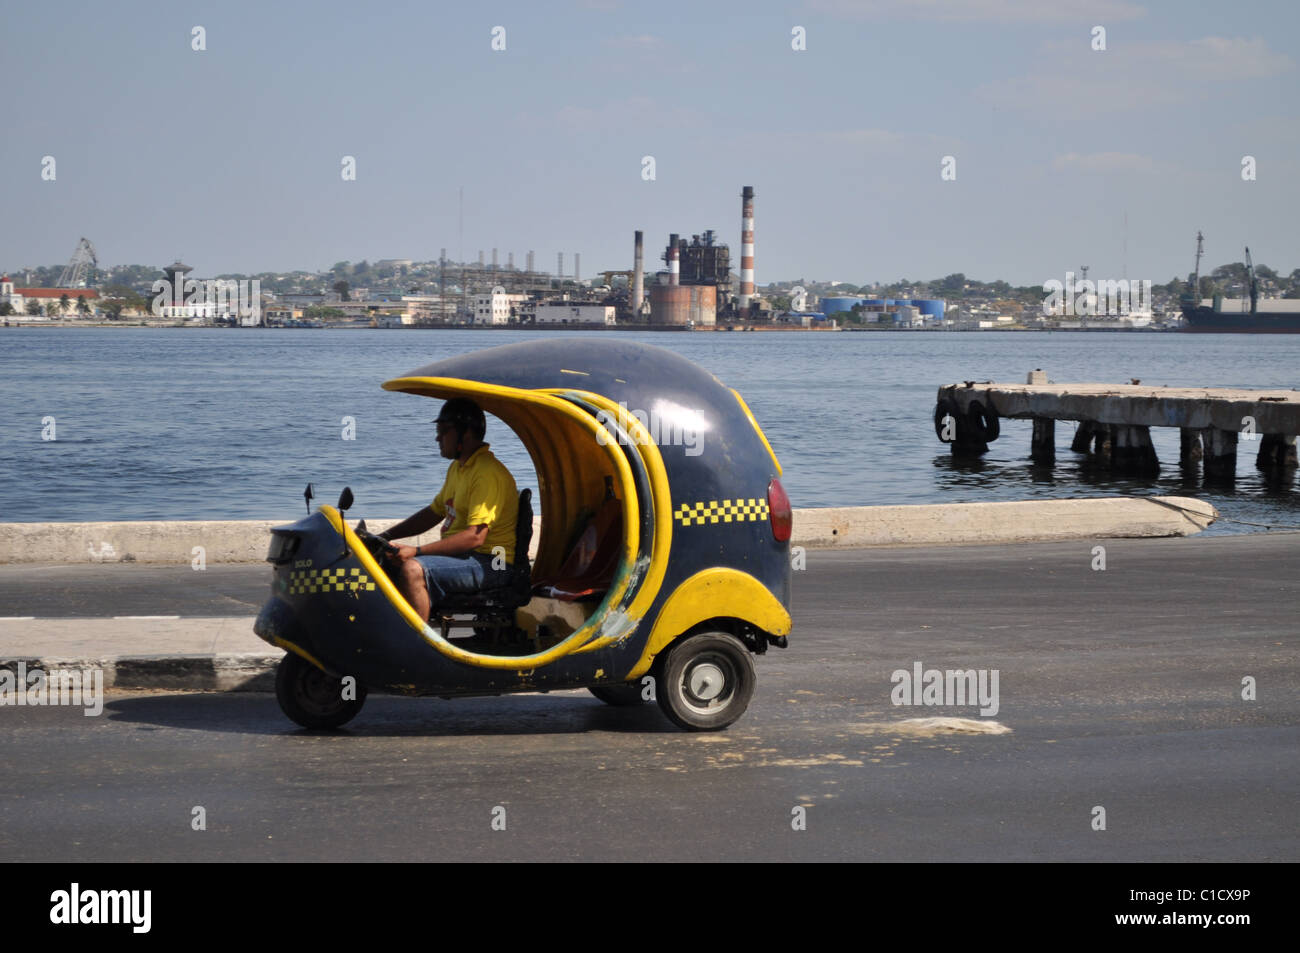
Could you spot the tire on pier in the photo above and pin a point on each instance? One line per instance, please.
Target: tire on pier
(946, 407)
(983, 422)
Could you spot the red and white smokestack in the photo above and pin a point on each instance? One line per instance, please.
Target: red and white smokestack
(638, 266)
(674, 261)
(746, 248)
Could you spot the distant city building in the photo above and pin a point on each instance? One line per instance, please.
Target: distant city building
(18, 298)
(295, 299)
(496, 307)
(421, 308)
(568, 312)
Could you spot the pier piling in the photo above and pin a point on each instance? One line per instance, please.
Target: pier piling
(969, 442)
(1276, 452)
(1132, 451)
(1043, 445)
(1093, 438)
(1220, 453)
(1189, 447)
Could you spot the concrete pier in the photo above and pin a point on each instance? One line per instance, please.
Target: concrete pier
(1115, 421)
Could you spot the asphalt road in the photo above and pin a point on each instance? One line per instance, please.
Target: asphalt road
(1122, 690)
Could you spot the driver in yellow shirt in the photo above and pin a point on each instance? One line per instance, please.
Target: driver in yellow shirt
(477, 506)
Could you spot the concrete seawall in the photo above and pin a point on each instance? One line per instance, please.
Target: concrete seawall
(245, 541)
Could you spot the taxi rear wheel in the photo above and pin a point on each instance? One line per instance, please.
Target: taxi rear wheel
(708, 679)
(312, 698)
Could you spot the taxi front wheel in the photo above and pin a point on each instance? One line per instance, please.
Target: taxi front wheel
(708, 679)
(313, 698)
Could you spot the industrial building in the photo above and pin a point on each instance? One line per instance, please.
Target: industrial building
(696, 283)
(550, 313)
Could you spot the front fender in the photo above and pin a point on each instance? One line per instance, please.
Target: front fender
(277, 624)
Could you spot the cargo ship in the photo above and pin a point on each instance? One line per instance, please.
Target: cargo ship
(1239, 315)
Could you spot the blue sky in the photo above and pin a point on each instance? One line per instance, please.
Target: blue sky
(231, 156)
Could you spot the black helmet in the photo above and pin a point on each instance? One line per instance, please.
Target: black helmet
(465, 415)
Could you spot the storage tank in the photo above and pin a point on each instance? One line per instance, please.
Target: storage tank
(930, 307)
(670, 304)
(704, 305)
(836, 305)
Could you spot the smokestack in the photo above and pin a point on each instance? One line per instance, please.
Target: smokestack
(530, 261)
(559, 264)
(480, 258)
(494, 259)
(746, 249)
(510, 261)
(638, 287)
(577, 266)
(674, 260)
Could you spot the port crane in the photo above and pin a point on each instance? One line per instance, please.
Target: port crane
(1252, 284)
(80, 271)
(1194, 296)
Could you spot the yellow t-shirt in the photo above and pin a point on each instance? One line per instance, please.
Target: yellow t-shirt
(479, 492)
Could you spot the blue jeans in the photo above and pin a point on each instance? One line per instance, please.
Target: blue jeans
(469, 573)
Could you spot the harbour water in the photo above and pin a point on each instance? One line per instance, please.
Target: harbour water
(175, 424)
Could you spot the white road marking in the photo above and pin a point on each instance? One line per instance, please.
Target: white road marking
(166, 617)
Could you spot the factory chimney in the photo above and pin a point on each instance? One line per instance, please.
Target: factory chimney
(530, 261)
(638, 288)
(577, 266)
(674, 261)
(559, 264)
(746, 249)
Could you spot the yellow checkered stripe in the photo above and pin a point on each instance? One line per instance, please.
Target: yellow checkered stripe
(720, 511)
(305, 581)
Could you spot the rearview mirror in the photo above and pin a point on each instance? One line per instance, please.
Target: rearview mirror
(345, 499)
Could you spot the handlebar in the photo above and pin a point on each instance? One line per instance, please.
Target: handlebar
(371, 540)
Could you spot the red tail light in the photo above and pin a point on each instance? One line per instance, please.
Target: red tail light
(779, 512)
